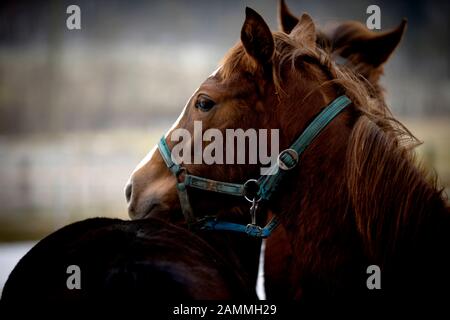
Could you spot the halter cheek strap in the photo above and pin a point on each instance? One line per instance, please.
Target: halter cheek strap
(266, 185)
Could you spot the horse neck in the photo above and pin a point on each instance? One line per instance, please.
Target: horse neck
(397, 208)
(314, 199)
(364, 198)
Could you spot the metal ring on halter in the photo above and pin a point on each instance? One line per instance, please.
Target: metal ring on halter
(292, 154)
(251, 189)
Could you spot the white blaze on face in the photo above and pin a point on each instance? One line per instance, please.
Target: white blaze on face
(149, 155)
(175, 124)
(215, 72)
(146, 159)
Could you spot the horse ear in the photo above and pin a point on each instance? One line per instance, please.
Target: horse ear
(286, 20)
(354, 41)
(257, 37)
(305, 31)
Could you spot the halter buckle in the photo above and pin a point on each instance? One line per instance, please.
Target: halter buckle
(253, 230)
(287, 155)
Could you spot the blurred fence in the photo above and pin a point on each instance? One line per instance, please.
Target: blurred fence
(49, 181)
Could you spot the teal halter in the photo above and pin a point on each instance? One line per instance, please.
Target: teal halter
(253, 190)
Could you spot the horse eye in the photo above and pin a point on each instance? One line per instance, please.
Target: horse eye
(204, 103)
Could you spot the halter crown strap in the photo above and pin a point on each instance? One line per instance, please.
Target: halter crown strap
(269, 183)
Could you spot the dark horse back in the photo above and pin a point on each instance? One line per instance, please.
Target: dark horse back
(126, 261)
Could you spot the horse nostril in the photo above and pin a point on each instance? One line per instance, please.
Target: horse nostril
(128, 190)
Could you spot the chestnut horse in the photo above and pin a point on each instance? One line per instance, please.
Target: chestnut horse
(126, 262)
(363, 199)
(365, 53)
(357, 59)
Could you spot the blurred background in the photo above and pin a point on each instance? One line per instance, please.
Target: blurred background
(80, 108)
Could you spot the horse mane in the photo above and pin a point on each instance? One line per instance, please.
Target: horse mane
(387, 188)
(389, 191)
(392, 195)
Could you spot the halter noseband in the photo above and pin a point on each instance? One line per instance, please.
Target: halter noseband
(263, 188)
